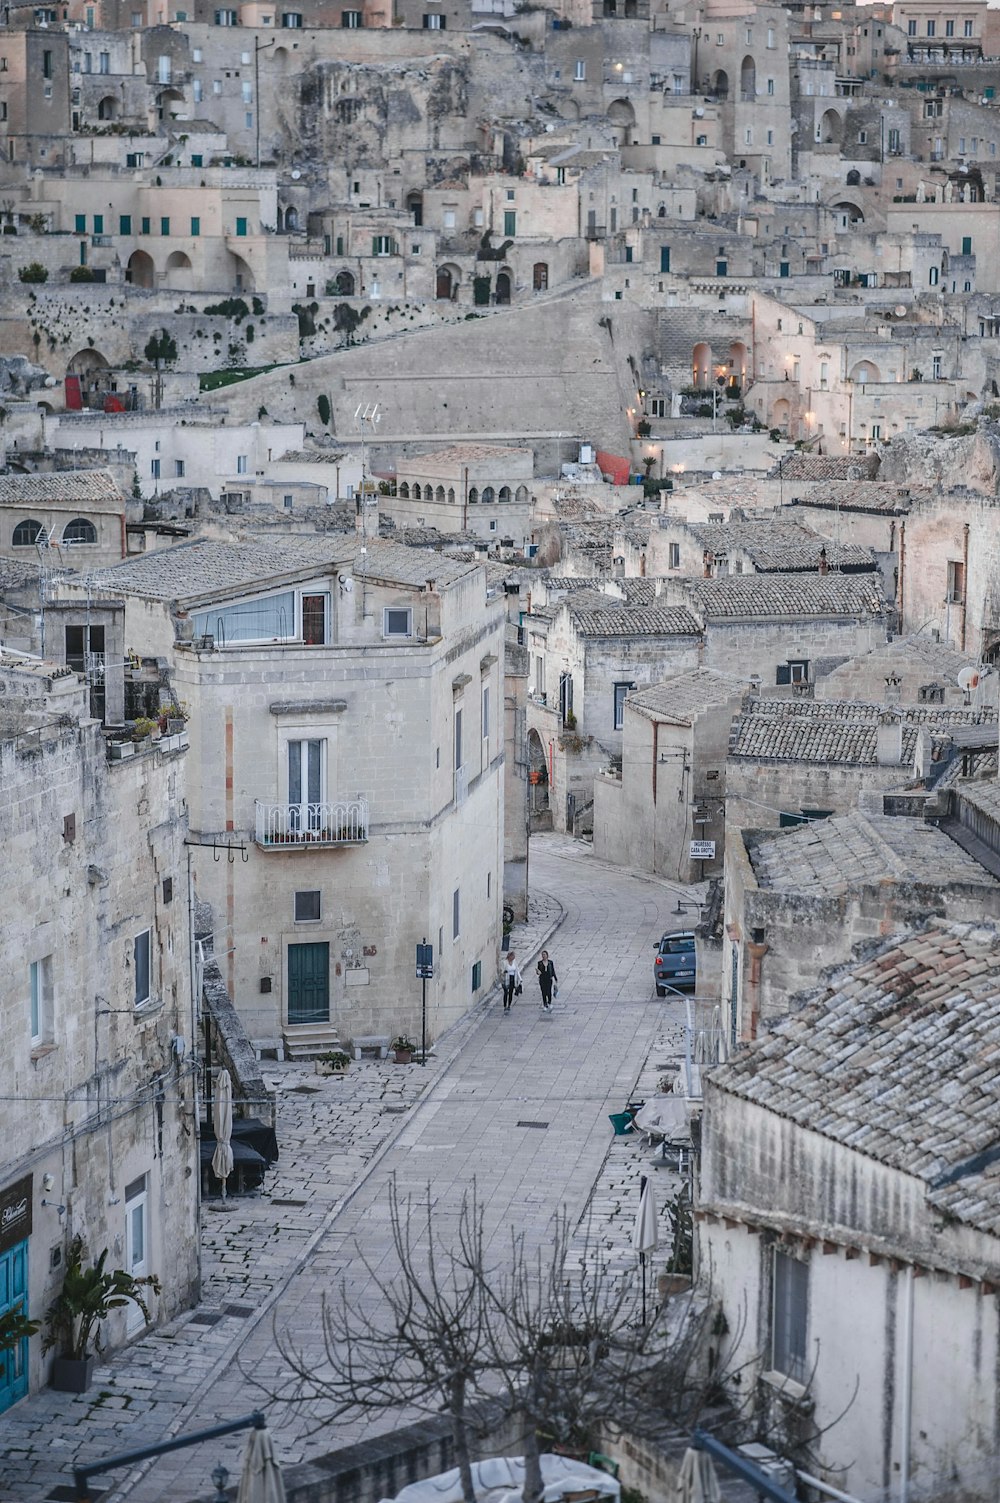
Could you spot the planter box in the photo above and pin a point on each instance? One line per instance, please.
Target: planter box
(403, 1056)
(72, 1374)
(119, 750)
(324, 1068)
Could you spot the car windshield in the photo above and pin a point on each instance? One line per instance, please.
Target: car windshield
(680, 946)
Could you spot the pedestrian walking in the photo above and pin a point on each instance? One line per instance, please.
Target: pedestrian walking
(547, 980)
(511, 981)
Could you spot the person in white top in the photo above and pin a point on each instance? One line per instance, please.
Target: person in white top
(511, 981)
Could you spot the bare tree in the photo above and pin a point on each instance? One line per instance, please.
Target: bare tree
(426, 1348)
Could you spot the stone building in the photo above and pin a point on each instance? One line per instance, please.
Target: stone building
(100, 1116)
(73, 519)
(848, 1170)
(346, 713)
(670, 788)
(806, 897)
(754, 545)
(484, 489)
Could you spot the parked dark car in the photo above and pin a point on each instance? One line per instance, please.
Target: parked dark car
(676, 964)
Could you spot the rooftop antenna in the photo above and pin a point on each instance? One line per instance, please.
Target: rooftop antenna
(367, 416)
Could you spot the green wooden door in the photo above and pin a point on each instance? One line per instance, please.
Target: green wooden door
(309, 983)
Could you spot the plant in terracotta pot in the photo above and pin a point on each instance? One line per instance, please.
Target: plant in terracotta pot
(75, 1316)
(336, 1062)
(403, 1049)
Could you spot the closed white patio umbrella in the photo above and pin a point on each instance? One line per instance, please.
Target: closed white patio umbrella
(222, 1121)
(696, 1480)
(260, 1479)
(645, 1234)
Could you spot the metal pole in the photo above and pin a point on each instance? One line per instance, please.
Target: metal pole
(740, 1467)
(82, 1474)
(423, 1016)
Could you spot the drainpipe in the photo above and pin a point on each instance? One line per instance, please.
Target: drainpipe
(906, 1405)
(756, 953)
(965, 580)
(902, 564)
(465, 499)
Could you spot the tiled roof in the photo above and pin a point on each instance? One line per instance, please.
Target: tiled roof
(774, 545)
(91, 490)
(640, 591)
(898, 1058)
(857, 495)
(16, 573)
(834, 730)
(605, 620)
(832, 856)
(770, 595)
(679, 700)
(204, 568)
(458, 454)
(310, 456)
(801, 466)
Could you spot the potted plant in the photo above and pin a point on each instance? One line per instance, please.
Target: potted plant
(75, 1317)
(173, 718)
(336, 1062)
(14, 1327)
(402, 1049)
(143, 728)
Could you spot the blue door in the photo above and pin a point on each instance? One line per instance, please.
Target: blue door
(14, 1296)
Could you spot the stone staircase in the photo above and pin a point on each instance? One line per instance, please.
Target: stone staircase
(309, 1040)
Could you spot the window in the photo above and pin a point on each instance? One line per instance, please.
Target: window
(675, 556)
(26, 532)
(246, 91)
(315, 609)
(40, 986)
(216, 85)
(434, 23)
(226, 18)
(456, 913)
(141, 956)
(795, 671)
(124, 224)
(98, 224)
(911, 28)
(289, 502)
(621, 690)
(477, 975)
(195, 225)
(307, 907)
(383, 245)
(79, 531)
(579, 70)
(241, 464)
(104, 62)
(931, 28)
(154, 468)
(770, 36)
(949, 28)
(350, 20)
(509, 224)
(241, 226)
(966, 245)
(397, 621)
(248, 120)
(46, 64)
(486, 712)
(720, 40)
(770, 86)
(788, 1316)
(935, 367)
(458, 737)
(956, 583)
(967, 30)
(164, 225)
(80, 224)
(144, 225)
(179, 468)
(961, 146)
(721, 268)
(932, 277)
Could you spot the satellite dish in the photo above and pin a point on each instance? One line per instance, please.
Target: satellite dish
(716, 474)
(699, 114)
(346, 583)
(900, 310)
(968, 679)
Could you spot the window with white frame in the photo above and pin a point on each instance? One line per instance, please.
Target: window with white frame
(397, 621)
(456, 913)
(675, 556)
(789, 1313)
(142, 955)
(241, 464)
(580, 70)
(40, 991)
(305, 771)
(621, 692)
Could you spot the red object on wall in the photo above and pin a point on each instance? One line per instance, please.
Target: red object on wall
(74, 399)
(113, 403)
(613, 467)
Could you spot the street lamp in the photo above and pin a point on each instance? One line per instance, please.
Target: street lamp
(220, 1476)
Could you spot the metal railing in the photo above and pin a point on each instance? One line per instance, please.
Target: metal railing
(299, 826)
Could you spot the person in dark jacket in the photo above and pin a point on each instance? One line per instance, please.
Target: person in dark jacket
(547, 979)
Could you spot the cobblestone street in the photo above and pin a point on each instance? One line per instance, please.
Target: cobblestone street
(518, 1103)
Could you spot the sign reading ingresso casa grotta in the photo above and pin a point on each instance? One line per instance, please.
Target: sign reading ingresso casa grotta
(15, 1213)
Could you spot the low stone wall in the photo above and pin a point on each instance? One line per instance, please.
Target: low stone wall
(231, 1048)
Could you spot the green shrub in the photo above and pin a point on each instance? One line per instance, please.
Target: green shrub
(33, 272)
(323, 408)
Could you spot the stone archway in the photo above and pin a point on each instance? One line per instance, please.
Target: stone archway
(540, 276)
(343, 284)
(782, 414)
(538, 781)
(446, 283)
(701, 365)
(830, 129)
(737, 363)
(94, 374)
(720, 84)
(140, 270)
(107, 108)
(243, 277)
(502, 292)
(621, 116)
(179, 272)
(864, 372)
(748, 79)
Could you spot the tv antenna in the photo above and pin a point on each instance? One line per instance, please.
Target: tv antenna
(367, 417)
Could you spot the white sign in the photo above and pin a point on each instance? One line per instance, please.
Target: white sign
(703, 850)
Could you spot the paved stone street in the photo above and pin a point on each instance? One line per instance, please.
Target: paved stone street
(475, 1113)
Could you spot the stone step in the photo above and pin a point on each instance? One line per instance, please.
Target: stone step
(310, 1040)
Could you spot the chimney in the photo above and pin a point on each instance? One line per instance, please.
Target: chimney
(922, 753)
(658, 587)
(824, 566)
(889, 740)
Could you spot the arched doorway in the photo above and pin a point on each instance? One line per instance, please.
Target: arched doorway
(94, 374)
(540, 276)
(179, 272)
(415, 206)
(107, 109)
(720, 84)
(503, 288)
(865, 371)
(737, 364)
(748, 79)
(140, 270)
(343, 284)
(830, 129)
(781, 414)
(291, 219)
(622, 116)
(850, 216)
(243, 278)
(701, 366)
(538, 779)
(169, 103)
(446, 286)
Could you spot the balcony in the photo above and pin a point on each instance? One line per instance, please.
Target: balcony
(309, 826)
